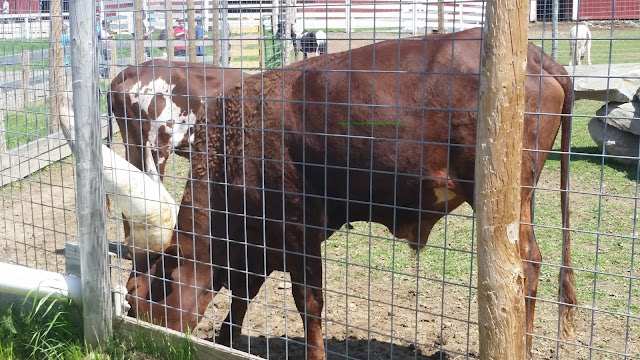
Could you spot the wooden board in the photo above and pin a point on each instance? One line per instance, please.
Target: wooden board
(29, 158)
(204, 349)
(245, 52)
(246, 64)
(255, 29)
(72, 255)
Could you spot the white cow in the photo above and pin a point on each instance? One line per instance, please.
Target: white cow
(579, 42)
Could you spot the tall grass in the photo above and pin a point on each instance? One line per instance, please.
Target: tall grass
(40, 329)
(49, 328)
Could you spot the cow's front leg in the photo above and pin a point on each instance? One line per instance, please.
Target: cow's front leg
(232, 325)
(309, 301)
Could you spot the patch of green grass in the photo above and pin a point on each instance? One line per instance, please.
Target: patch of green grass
(40, 329)
(29, 124)
(34, 65)
(141, 344)
(251, 46)
(50, 328)
(24, 126)
(602, 216)
(16, 46)
(240, 59)
(621, 47)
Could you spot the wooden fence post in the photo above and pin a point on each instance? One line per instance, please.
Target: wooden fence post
(169, 27)
(441, 16)
(287, 45)
(56, 66)
(113, 61)
(215, 24)
(139, 34)
(191, 21)
(347, 16)
(501, 303)
(26, 77)
(3, 133)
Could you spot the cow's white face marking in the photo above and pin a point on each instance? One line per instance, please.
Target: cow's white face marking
(176, 121)
(443, 194)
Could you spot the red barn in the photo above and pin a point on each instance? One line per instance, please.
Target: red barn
(590, 9)
(24, 6)
(605, 10)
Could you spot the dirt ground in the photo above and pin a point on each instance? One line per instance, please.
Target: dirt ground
(377, 317)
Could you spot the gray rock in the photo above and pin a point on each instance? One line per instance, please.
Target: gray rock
(623, 116)
(603, 89)
(617, 142)
(599, 82)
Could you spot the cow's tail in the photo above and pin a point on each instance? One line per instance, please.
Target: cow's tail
(567, 289)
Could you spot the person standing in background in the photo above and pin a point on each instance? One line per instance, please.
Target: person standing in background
(65, 43)
(103, 50)
(5, 10)
(199, 36)
(180, 33)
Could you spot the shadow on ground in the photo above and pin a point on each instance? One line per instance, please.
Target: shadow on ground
(293, 348)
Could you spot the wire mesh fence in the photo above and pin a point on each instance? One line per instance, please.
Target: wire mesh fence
(305, 188)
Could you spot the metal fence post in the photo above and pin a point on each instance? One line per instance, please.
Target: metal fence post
(501, 305)
(96, 294)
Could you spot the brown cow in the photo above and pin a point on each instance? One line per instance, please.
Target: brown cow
(282, 176)
(157, 100)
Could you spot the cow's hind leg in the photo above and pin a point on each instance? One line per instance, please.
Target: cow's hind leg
(232, 325)
(531, 257)
(307, 294)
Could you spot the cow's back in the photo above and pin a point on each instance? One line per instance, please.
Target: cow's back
(423, 91)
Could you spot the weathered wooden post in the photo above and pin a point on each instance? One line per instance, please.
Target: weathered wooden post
(113, 60)
(139, 31)
(3, 134)
(168, 21)
(441, 16)
(215, 24)
(554, 28)
(501, 305)
(56, 65)
(288, 21)
(191, 21)
(26, 78)
(225, 32)
(90, 202)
